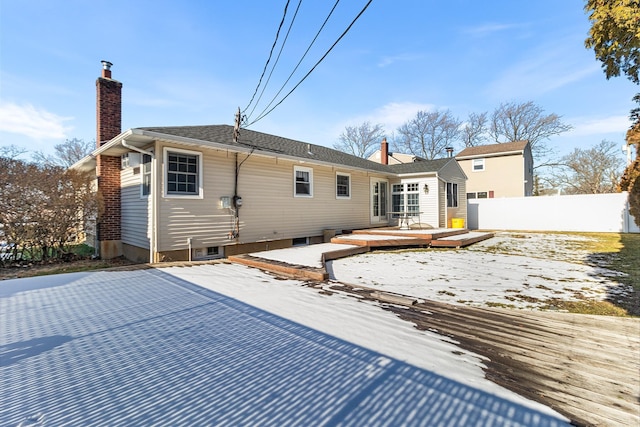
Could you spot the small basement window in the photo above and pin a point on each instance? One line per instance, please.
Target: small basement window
(211, 252)
(300, 241)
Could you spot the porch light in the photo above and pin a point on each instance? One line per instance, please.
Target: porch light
(426, 189)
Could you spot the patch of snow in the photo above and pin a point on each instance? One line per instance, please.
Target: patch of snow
(357, 321)
(309, 256)
(474, 278)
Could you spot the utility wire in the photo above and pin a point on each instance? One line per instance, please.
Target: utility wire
(301, 59)
(284, 15)
(286, 37)
(263, 115)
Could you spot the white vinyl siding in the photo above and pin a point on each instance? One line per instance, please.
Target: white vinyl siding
(135, 211)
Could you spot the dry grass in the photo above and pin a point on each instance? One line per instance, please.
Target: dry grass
(44, 269)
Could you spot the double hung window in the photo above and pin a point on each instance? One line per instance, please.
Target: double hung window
(303, 181)
(183, 176)
(343, 186)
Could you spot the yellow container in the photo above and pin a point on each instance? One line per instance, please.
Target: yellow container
(457, 222)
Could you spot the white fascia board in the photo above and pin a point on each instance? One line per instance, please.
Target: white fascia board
(417, 174)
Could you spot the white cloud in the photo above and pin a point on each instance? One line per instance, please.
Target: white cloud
(487, 29)
(404, 57)
(32, 122)
(600, 125)
(391, 115)
(542, 70)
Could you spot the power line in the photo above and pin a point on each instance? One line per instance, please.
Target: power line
(301, 59)
(263, 115)
(277, 59)
(284, 15)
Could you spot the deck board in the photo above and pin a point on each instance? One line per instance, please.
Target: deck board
(460, 240)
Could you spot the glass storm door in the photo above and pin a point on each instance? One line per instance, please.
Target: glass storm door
(379, 192)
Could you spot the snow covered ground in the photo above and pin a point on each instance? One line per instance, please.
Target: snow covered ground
(145, 344)
(158, 347)
(519, 270)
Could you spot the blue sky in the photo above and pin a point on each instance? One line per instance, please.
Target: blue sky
(196, 62)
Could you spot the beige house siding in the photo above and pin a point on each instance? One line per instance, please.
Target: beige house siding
(505, 176)
(269, 210)
(451, 173)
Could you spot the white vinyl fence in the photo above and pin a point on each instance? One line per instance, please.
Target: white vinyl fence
(585, 212)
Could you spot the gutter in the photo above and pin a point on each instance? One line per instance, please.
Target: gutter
(500, 154)
(248, 149)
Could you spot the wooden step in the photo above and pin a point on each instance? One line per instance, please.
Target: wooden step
(460, 240)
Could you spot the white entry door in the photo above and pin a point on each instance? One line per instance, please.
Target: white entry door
(379, 200)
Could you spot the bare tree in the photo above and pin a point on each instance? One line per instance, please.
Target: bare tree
(590, 171)
(43, 208)
(360, 140)
(66, 153)
(429, 133)
(474, 131)
(12, 151)
(513, 121)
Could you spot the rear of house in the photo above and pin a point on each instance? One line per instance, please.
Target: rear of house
(498, 170)
(195, 192)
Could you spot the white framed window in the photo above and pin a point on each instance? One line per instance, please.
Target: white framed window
(478, 165)
(413, 198)
(482, 194)
(145, 188)
(302, 181)
(124, 161)
(471, 195)
(183, 173)
(452, 195)
(397, 199)
(343, 185)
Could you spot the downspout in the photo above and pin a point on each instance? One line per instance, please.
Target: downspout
(153, 239)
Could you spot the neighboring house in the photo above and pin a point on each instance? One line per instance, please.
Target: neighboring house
(394, 158)
(498, 170)
(191, 192)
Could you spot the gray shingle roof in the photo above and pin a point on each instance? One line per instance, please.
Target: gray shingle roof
(493, 149)
(420, 166)
(222, 134)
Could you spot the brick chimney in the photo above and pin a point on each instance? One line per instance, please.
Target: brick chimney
(384, 152)
(109, 106)
(108, 118)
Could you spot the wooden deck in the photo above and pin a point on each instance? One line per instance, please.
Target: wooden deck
(585, 367)
(460, 240)
(440, 238)
(358, 242)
